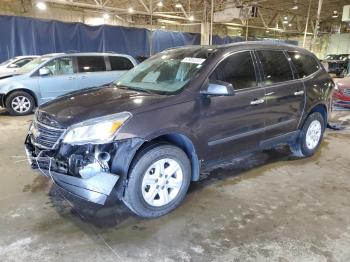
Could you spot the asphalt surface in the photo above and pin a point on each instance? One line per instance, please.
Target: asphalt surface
(266, 206)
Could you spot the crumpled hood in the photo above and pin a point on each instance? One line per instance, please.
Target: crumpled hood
(79, 106)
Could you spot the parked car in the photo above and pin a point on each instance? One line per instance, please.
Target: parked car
(177, 115)
(53, 75)
(337, 64)
(9, 67)
(341, 95)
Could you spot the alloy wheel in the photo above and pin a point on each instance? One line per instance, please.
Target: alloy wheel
(20, 104)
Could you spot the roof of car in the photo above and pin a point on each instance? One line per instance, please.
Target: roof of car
(27, 56)
(86, 54)
(246, 45)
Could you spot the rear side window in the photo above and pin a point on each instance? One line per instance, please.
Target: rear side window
(275, 65)
(237, 69)
(120, 63)
(22, 62)
(304, 64)
(91, 63)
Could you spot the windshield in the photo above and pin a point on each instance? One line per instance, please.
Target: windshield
(32, 64)
(165, 73)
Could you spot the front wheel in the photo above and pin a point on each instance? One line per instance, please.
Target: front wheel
(310, 136)
(20, 103)
(158, 182)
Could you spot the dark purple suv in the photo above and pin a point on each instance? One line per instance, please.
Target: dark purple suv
(144, 138)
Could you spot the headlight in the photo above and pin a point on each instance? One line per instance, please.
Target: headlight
(99, 130)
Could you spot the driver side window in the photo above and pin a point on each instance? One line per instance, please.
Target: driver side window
(60, 66)
(237, 69)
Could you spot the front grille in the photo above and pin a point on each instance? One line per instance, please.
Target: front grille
(45, 136)
(346, 91)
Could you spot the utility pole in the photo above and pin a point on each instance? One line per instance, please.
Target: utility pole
(307, 23)
(151, 22)
(211, 22)
(317, 26)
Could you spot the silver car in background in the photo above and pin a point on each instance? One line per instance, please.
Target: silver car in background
(10, 66)
(53, 75)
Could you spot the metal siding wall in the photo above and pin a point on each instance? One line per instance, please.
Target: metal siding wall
(339, 44)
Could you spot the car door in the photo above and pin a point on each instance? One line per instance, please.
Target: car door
(59, 79)
(232, 124)
(92, 71)
(285, 95)
(118, 66)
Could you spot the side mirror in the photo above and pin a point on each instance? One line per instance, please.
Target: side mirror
(44, 71)
(219, 88)
(13, 66)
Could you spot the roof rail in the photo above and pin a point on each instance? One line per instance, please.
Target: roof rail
(71, 51)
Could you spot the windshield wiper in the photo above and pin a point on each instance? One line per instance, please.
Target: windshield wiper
(135, 89)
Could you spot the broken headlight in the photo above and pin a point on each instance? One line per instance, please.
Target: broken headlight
(99, 130)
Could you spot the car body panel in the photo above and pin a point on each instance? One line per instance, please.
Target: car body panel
(341, 96)
(336, 64)
(46, 88)
(10, 67)
(215, 126)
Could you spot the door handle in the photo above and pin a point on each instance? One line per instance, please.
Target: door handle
(298, 93)
(257, 101)
(269, 94)
(83, 77)
(71, 78)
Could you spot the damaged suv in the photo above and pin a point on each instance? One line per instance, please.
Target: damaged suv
(144, 138)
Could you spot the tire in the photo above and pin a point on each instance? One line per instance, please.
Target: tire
(148, 199)
(307, 143)
(24, 101)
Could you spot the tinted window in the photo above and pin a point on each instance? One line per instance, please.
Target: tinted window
(236, 69)
(60, 66)
(120, 63)
(168, 72)
(91, 63)
(304, 64)
(275, 66)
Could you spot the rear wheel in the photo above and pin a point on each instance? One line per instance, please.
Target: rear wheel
(20, 103)
(159, 180)
(310, 136)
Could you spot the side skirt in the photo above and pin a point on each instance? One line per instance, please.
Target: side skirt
(263, 145)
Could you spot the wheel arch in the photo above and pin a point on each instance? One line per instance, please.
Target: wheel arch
(180, 140)
(320, 108)
(23, 90)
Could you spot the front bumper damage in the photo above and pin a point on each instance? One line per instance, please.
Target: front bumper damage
(68, 168)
